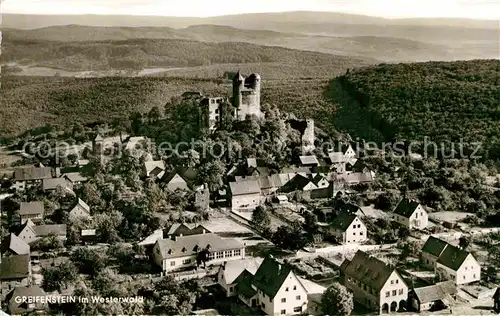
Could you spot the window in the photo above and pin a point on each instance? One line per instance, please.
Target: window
(397, 281)
(416, 215)
(359, 225)
(297, 309)
(361, 233)
(283, 311)
(172, 263)
(283, 300)
(231, 289)
(401, 291)
(297, 297)
(186, 261)
(294, 287)
(464, 277)
(394, 292)
(474, 276)
(286, 289)
(237, 252)
(219, 255)
(353, 226)
(392, 281)
(354, 234)
(387, 294)
(216, 111)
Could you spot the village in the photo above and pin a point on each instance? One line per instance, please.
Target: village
(261, 236)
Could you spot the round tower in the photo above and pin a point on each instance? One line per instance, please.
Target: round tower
(238, 82)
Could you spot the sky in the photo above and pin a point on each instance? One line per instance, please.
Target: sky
(474, 9)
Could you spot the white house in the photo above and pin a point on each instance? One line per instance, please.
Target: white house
(433, 248)
(411, 214)
(80, 210)
(30, 210)
(154, 168)
(182, 252)
(274, 287)
(458, 265)
(375, 284)
(229, 272)
(348, 228)
(244, 195)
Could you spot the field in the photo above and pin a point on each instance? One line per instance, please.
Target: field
(452, 217)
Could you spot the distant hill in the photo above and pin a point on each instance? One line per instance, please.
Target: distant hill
(447, 102)
(148, 53)
(381, 45)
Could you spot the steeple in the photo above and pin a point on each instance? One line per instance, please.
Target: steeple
(238, 77)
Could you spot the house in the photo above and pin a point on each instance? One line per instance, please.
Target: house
(309, 161)
(88, 236)
(348, 228)
(47, 230)
(13, 245)
(183, 229)
(25, 300)
(27, 177)
(375, 284)
(244, 194)
(26, 232)
(458, 265)
(75, 178)
(15, 271)
(274, 287)
(202, 199)
(152, 239)
(30, 210)
(79, 210)
(54, 183)
(174, 181)
(183, 252)
(496, 301)
(411, 214)
(433, 248)
(433, 297)
(356, 178)
(231, 270)
(154, 168)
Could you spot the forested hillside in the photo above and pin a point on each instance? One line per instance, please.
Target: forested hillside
(444, 101)
(147, 53)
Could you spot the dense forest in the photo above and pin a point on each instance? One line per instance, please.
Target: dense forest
(444, 101)
(148, 53)
(30, 102)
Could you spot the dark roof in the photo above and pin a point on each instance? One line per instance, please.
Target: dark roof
(14, 267)
(434, 246)
(298, 182)
(244, 284)
(406, 207)
(31, 208)
(343, 221)
(16, 307)
(452, 257)
(14, 244)
(432, 293)
(270, 276)
(497, 293)
(32, 173)
(52, 184)
(369, 270)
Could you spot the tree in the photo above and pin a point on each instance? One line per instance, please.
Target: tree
(289, 238)
(56, 276)
(464, 242)
(88, 261)
(260, 217)
(337, 301)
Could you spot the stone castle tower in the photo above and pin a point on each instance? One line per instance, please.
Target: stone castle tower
(308, 136)
(246, 95)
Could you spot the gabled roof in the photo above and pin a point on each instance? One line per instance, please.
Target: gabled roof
(89, 232)
(29, 223)
(75, 177)
(244, 187)
(151, 165)
(252, 162)
(298, 182)
(31, 208)
(82, 204)
(15, 244)
(369, 270)
(432, 293)
(336, 157)
(453, 257)
(244, 284)
(32, 173)
(270, 276)
(232, 269)
(309, 160)
(434, 246)
(16, 307)
(45, 230)
(190, 245)
(343, 221)
(406, 208)
(14, 267)
(175, 181)
(52, 184)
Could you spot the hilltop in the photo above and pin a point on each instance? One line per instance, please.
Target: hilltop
(447, 102)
